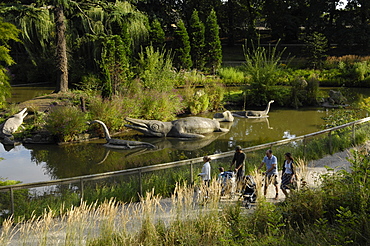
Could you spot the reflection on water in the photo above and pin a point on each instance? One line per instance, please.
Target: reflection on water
(31, 163)
(21, 94)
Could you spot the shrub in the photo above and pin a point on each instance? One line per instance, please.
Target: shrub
(66, 122)
(160, 105)
(231, 76)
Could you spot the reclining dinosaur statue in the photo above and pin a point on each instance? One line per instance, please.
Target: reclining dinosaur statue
(120, 143)
(254, 113)
(8, 127)
(12, 124)
(189, 127)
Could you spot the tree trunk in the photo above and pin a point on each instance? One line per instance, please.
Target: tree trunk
(61, 51)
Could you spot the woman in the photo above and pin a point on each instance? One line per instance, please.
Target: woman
(206, 171)
(288, 174)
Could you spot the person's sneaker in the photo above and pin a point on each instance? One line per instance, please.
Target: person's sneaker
(277, 196)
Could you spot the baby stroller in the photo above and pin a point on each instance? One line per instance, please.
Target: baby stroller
(249, 191)
(228, 183)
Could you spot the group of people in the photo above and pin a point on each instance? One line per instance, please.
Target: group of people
(271, 174)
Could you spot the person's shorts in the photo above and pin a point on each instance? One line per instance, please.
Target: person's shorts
(271, 179)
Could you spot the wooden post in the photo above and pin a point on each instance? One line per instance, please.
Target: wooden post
(191, 173)
(11, 201)
(330, 143)
(82, 189)
(140, 184)
(353, 134)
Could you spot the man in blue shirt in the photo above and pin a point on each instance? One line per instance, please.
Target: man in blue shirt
(271, 171)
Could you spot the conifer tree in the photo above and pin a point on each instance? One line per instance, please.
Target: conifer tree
(181, 47)
(213, 49)
(156, 34)
(196, 34)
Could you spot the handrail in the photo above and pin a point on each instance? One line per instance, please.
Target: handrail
(173, 164)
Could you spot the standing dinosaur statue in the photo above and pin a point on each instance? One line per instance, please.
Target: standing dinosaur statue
(120, 143)
(254, 113)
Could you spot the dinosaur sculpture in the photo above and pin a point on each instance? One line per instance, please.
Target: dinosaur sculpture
(254, 113)
(224, 117)
(120, 143)
(12, 124)
(189, 127)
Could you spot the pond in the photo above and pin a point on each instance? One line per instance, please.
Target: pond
(32, 163)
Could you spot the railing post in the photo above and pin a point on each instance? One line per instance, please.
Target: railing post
(353, 134)
(191, 173)
(304, 146)
(82, 189)
(11, 201)
(330, 144)
(140, 184)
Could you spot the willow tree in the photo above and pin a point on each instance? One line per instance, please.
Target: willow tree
(7, 32)
(47, 24)
(39, 23)
(117, 31)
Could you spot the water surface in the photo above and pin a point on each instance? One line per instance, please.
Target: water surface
(32, 163)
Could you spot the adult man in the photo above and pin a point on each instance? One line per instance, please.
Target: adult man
(271, 171)
(239, 162)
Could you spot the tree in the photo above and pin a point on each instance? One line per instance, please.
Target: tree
(181, 47)
(316, 46)
(8, 32)
(156, 34)
(87, 23)
(196, 35)
(213, 49)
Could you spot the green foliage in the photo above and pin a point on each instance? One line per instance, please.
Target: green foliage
(115, 66)
(154, 69)
(8, 32)
(158, 105)
(231, 76)
(66, 122)
(316, 46)
(196, 34)
(213, 48)
(156, 34)
(112, 112)
(181, 46)
(340, 117)
(262, 65)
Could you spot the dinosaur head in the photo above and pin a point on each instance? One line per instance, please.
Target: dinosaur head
(153, 128)
(22, 114)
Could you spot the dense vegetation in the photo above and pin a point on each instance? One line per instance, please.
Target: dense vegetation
(113, 54)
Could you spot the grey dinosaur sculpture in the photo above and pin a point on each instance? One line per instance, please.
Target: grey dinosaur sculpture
(224, 117)
(12, 124)
(120, 143)
(189, 127)
(254, 113)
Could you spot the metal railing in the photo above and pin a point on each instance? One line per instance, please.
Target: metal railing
(140, 170)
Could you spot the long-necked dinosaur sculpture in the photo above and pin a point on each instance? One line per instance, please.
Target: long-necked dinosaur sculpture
(254, 113)
(120, 143)
(189, 127)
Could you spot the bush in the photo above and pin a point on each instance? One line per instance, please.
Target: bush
(231, 76)
(66, 122)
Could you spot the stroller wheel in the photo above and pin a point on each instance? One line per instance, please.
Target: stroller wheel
(248, 204)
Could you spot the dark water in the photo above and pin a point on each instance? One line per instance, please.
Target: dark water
(31, 163)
